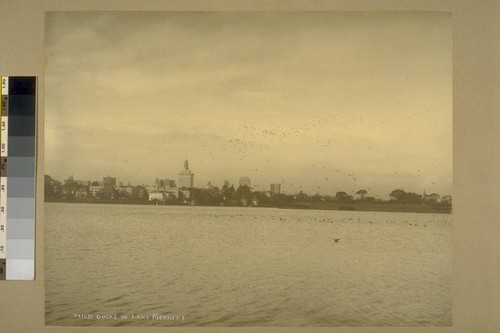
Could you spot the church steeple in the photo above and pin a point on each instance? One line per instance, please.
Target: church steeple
(186, 165)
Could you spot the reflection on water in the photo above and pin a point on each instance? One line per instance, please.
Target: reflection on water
(211, 266)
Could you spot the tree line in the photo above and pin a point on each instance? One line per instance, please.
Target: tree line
(228, 195)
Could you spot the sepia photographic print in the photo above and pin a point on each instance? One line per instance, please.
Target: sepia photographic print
(234, 169)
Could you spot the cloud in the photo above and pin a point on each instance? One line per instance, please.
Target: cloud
(365, 91)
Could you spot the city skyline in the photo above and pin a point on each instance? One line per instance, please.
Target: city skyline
(319, 102)
(170, 182)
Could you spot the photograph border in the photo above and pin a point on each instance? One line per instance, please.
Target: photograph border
(475, 127)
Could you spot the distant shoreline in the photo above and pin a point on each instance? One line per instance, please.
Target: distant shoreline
(379, 207)
(339, 206)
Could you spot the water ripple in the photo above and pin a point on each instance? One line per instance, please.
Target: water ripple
(246, 267)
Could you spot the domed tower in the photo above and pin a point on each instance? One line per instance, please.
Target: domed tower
(186, 177)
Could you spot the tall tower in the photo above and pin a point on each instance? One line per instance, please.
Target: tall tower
(186, 177)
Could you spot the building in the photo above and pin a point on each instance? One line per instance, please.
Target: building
(72, 181)
(171, 193)
(150, 188)
(186, 177)
(276, 188)
(109, 181)
(244, 181)
(95, 188)
(81, 193)
(157, 195)
(165, 183)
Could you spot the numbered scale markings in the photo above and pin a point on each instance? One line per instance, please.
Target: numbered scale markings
(17, 178)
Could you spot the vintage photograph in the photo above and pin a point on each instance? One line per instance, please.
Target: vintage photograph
(239, 169)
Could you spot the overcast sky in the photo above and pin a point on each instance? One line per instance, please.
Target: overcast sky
(322, 102)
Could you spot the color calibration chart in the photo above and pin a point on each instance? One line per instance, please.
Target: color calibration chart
(17, 178)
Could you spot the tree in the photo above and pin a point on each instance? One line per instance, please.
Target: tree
(317, 197)
(401, 196)
(413, 198)
(343, 197)
(108, 192)
(340, 195)
(431, 198)
(228, 193)
(302, 196)
(362, 194)
(446, 199)
(49, 186)
(243, 191)
(398, 195)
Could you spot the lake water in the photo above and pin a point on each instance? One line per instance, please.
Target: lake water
(232, 266)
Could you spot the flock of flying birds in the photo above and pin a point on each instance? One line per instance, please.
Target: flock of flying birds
(267, 142)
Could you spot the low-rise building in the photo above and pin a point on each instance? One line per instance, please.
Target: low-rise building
(94, 189)
(157, 195)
